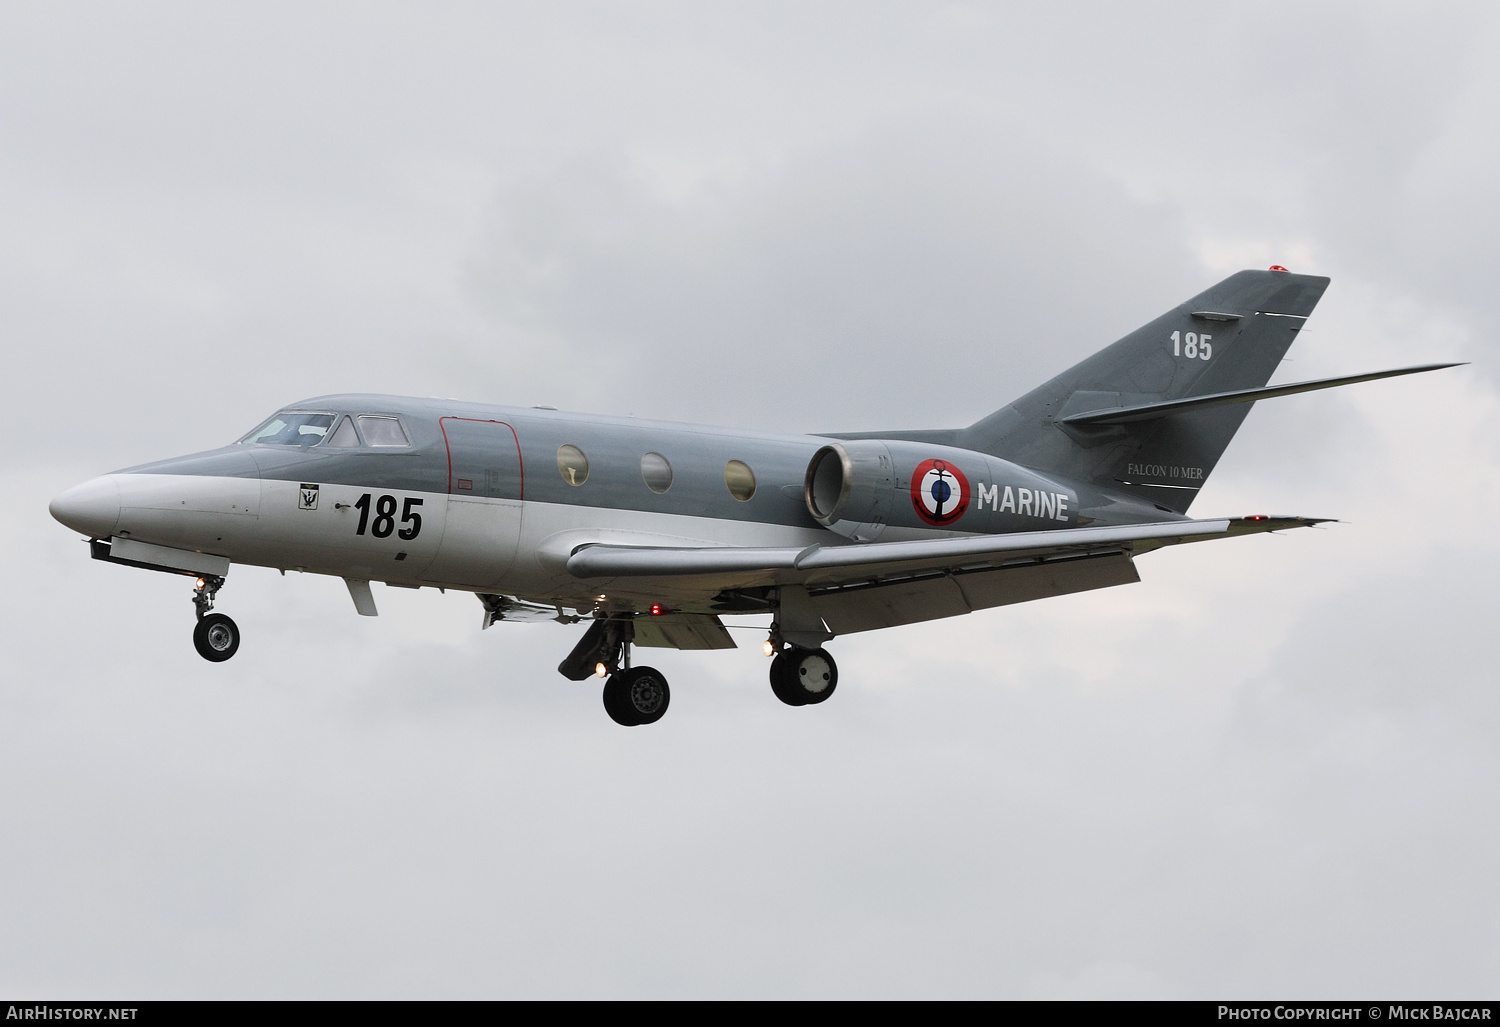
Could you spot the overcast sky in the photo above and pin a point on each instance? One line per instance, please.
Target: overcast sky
(1270, 769)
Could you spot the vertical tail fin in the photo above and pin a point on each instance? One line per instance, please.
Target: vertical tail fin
(1229, 337)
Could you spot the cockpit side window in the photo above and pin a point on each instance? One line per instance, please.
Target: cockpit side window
(381, 430)
(344, 436)
(292, 428)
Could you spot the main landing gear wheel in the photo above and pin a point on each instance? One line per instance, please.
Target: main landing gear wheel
(804, 677)
(216, 637)
(636, 696)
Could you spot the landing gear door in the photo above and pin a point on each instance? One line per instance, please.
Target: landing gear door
(485, 488)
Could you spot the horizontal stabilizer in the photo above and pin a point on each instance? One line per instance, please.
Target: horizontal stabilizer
(1152, 411)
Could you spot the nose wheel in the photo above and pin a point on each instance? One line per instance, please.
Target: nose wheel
(803, 677)
(215, 636)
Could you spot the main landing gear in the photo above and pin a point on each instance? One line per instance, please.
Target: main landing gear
(632, 695)
(803, 677)
(639, 695)
(216, 637)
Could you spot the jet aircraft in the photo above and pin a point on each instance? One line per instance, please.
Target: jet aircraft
(653, 532)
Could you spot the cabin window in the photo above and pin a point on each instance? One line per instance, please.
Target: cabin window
(290, 428)
(343, 436)
(573, 464)
(382, 431)
(740, 479)
(656, 472)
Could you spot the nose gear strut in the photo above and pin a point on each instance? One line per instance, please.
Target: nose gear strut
(216, 637)
(203, 595)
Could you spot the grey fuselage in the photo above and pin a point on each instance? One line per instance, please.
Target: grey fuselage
(481, 500)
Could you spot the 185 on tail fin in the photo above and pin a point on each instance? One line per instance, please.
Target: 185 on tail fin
(1226, 339)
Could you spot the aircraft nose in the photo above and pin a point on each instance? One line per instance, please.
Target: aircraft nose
(92, 508)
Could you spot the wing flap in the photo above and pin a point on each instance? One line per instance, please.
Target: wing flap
(682, 631)
(884, 603)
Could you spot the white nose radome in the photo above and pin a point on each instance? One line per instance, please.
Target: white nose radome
(92, 508)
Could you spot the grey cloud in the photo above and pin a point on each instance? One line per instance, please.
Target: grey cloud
(1267, 768)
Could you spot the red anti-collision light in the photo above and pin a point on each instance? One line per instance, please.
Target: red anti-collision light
(657, 610)
(1278, 267)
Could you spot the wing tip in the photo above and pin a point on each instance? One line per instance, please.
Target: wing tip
(1277, 522)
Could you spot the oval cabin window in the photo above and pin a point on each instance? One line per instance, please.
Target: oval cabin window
(740, 479)
(656, 472)
(573, 464)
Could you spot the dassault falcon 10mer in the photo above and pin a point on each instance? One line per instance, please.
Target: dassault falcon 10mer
(652, 532)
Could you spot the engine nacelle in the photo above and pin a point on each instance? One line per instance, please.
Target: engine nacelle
(849, 488)
(861, 487)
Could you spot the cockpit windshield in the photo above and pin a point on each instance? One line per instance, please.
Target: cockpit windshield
(291, 428)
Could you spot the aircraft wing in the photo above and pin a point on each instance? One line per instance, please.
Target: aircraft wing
(860, 559)
(859, 586)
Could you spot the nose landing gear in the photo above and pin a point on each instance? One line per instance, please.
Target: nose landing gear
(216, 637)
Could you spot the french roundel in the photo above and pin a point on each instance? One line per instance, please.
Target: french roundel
(939, 491)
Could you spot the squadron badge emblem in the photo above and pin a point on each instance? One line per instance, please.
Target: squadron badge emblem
(939, 492)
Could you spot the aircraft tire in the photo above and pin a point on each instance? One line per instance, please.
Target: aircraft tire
(646, 694)
(809, 675)
(782, 686)
(216, 638)
(636, 696)
(614, 701)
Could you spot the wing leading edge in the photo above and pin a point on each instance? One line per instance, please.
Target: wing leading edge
(866, 558)
(862, 586)
(613, 561)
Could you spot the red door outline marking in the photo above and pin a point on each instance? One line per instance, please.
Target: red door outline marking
(520, 464)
